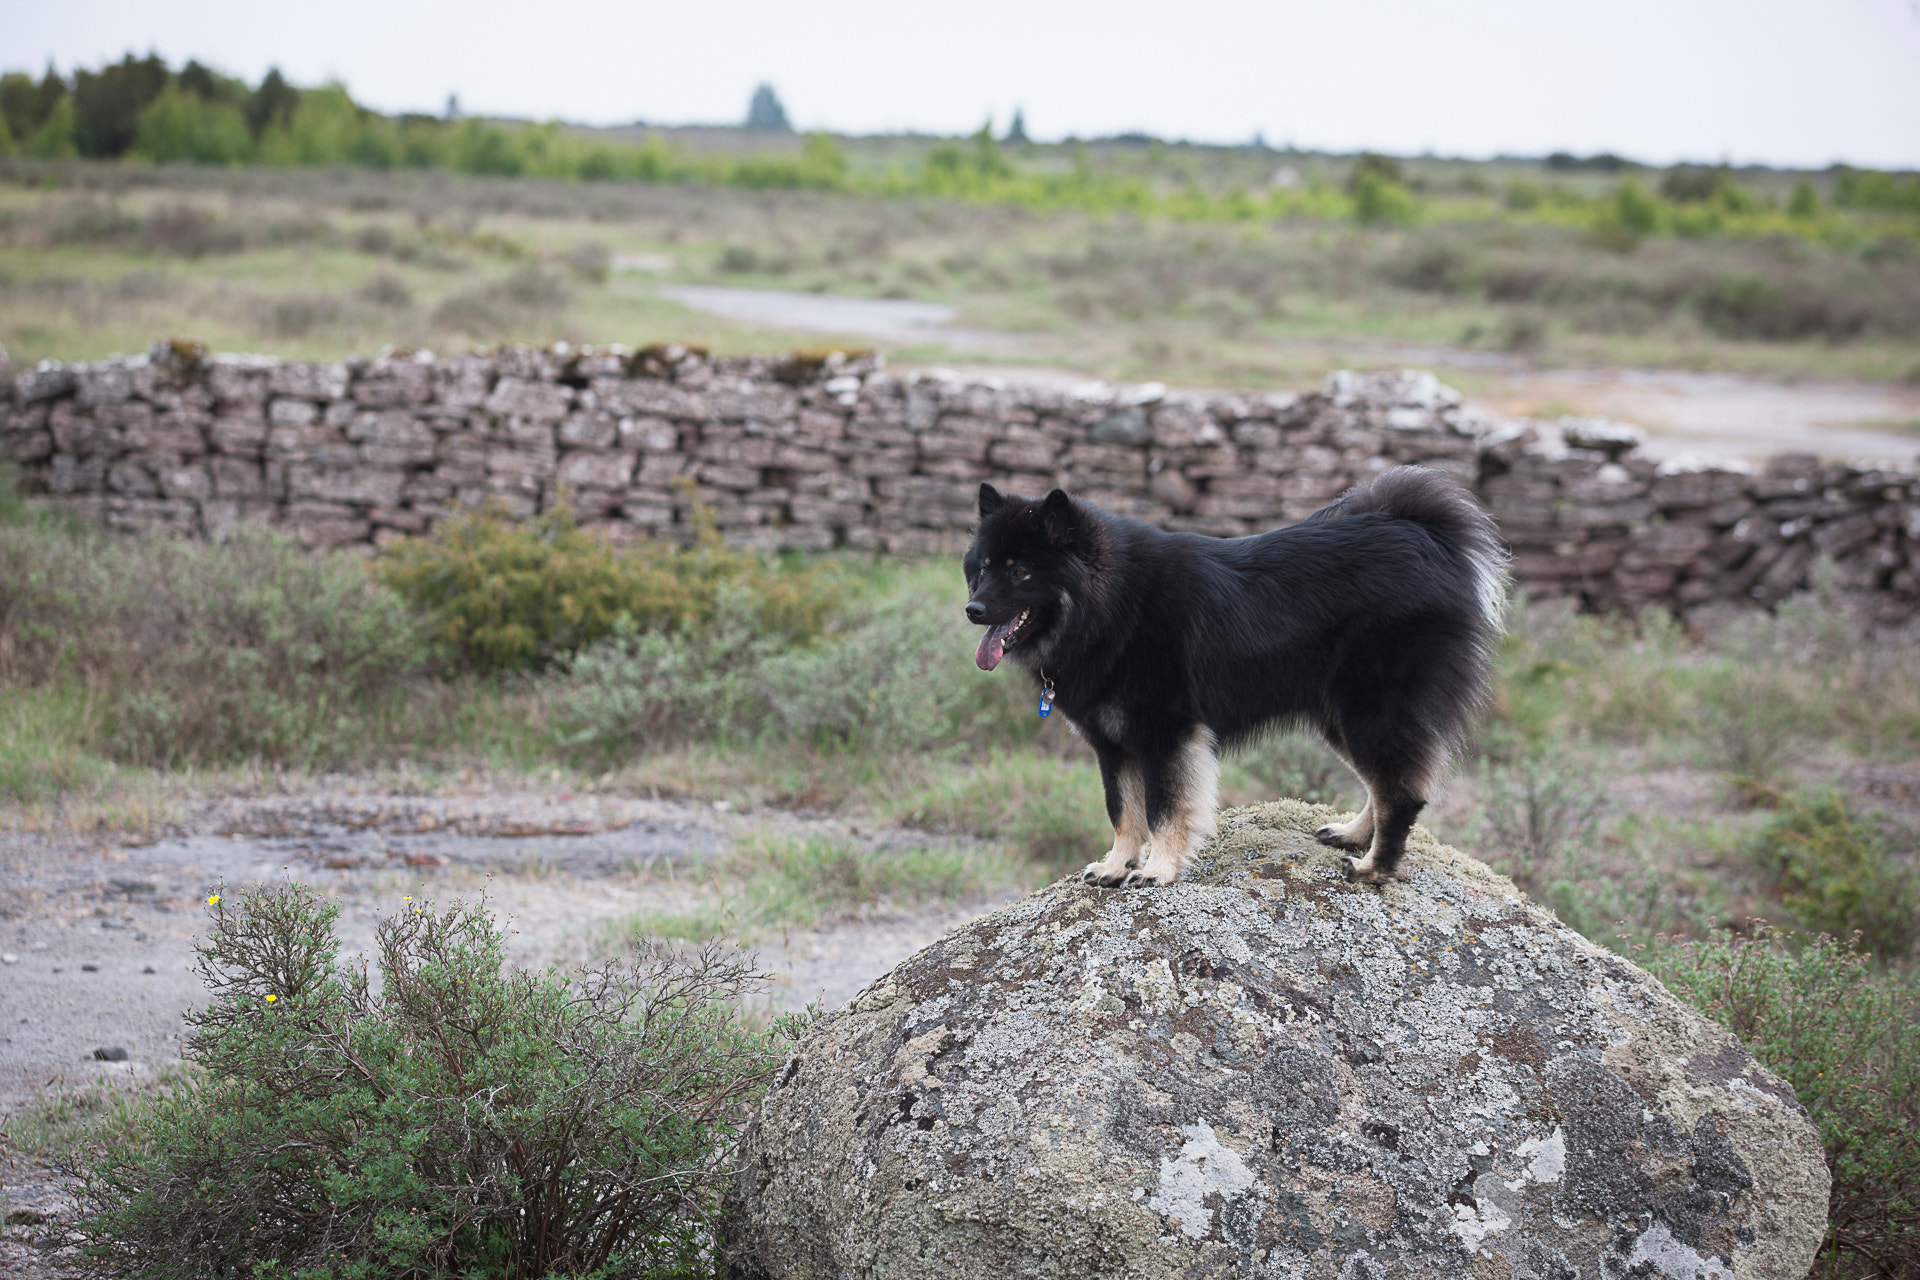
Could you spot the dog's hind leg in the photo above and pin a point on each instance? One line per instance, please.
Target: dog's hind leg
(1183, 798)
(1354, 834)
(1127, 810)
(1357, 833)
(1396, 793)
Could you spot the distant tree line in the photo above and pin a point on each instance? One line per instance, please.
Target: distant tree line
(99, 114)
(139, 108)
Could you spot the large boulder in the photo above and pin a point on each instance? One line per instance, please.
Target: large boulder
(1264, 1071)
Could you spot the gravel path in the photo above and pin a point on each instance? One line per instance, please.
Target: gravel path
(97, 939)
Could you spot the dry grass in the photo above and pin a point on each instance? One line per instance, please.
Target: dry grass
(320, 264)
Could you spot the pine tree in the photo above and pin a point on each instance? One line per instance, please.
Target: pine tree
(765, 114)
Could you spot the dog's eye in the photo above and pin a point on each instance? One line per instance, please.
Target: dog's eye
(1020, 574)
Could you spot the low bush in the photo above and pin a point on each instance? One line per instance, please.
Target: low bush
(1746, 305)
(1541, 800)
(198, 653)
(1752, 719)
(1835, 874)
(454, 1118)
(509, 596)
(891, 674)
(1542, 805)
(639, 690)
(1846, 1034)
(1752, 700)
(1378, 200)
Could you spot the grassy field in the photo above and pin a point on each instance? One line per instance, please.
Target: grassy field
(98, 257)
(1662, 793)
(1631, 774)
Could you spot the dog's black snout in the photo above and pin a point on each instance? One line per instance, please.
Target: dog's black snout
(976, 611)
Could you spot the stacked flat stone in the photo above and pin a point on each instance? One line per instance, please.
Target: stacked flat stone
(833, 451)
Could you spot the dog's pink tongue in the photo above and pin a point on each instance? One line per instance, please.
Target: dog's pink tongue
(992, 645)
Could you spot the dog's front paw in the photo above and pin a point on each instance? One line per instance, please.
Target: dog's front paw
(1106, 874)
(1158, 869)
(1337, 837)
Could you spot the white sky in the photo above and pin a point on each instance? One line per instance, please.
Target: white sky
(1803, 82)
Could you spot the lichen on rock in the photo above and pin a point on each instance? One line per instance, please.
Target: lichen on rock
(1265, 1071)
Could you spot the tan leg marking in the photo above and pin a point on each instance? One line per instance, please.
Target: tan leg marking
(1129, 838)
(1195, 786)
(1369, 869)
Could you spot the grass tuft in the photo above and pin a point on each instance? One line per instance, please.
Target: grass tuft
(768, 884)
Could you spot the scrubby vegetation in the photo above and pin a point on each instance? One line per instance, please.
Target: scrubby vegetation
(1659, 789)
(450, 1118)
(97, 257)
(272, 213)
(172, 653)
(141, 109)
(845, 681)
(507, 596)
(1846, 1034)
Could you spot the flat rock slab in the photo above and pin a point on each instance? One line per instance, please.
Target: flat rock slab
(1267, 1072)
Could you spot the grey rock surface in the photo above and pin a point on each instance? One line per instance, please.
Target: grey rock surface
(1267, 1072)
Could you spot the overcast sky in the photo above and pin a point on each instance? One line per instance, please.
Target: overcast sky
(1802, 82)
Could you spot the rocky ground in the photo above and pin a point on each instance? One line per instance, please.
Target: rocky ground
(97, 936)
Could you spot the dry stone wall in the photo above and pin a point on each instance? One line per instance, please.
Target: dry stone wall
(836, 452)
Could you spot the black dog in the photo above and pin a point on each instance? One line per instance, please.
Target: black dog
(1372, 621)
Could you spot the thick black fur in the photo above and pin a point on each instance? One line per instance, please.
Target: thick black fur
(1371, 622)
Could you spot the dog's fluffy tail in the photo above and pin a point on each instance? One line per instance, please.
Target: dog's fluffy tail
(1449, 511)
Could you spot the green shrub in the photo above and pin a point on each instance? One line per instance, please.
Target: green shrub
(54, 140)
(1379, 200)
(184, 126)
(1846, 1034)
(1875, 189)
(1746, 305)
(1835, 874)
(510, 596)
(1751, 718)
(1541, 799)
(1633, 211)
(893, 673)
(454, 1118)
(1805, 204)
(205, 653)
(1540, 817)
(642, 689)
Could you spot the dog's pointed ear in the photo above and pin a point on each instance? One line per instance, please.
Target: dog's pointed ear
(1056, 513)
(990, 500)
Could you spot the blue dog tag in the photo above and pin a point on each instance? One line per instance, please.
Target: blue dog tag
(1046, 702)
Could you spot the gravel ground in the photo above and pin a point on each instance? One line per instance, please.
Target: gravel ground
(97, 939)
